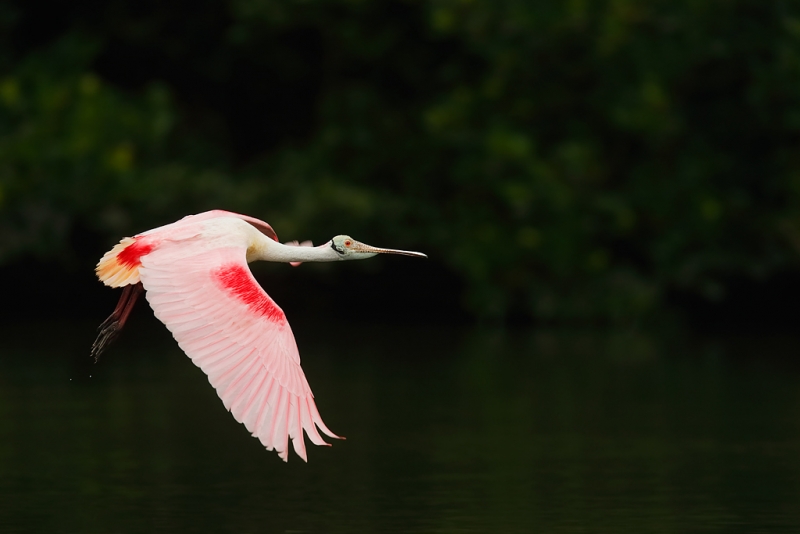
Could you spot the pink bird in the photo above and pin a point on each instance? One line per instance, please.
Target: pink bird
(197, 281)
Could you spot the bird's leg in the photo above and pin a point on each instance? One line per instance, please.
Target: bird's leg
(111, 327)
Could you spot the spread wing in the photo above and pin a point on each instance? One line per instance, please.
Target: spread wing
(230, 328)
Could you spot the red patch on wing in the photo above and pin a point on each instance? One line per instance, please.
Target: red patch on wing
(131, 256)
(237, 280)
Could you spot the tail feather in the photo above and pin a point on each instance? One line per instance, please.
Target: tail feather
(120, 266)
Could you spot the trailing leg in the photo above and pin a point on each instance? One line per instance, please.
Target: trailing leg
(110, 328)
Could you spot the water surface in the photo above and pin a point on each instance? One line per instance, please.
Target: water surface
(448, 430)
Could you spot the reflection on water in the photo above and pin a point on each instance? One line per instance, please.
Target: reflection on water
(448, 431)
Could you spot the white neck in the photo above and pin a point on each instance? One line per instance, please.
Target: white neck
(269, 250)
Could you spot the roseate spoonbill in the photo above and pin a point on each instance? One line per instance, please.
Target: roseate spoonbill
(197, 281)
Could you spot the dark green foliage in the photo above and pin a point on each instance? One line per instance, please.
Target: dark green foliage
(567, 159)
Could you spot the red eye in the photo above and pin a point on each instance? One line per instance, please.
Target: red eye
(348, 243)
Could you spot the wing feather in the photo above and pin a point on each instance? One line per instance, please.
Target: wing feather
(250, 356)
(305, 419)
(241, 377)
(270, 411)
(246, 392)
(248, 410)
(298, 443)
(216, 371)
(261, 405)
(280, 430)
(202, 338)
(224, 350)
(226, 379)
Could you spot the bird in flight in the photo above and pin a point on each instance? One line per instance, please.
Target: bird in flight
(195, 276)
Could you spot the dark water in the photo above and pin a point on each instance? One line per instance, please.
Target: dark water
(447, 431)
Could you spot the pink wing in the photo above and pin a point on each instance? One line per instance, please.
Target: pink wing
(230, 328)
(262, 227)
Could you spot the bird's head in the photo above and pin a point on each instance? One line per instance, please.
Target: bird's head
(349, 249)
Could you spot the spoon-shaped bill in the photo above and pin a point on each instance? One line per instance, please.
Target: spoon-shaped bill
(363, 247)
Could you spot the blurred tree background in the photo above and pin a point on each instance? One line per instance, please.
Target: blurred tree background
(568, 161)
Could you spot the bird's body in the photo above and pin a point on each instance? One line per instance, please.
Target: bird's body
(197, 281)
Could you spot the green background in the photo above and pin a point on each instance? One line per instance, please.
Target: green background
(562, 161)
